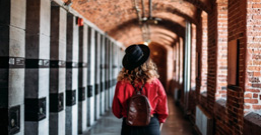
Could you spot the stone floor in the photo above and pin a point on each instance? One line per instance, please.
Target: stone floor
(174, 125)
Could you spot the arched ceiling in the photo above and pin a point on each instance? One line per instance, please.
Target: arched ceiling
(119, 18)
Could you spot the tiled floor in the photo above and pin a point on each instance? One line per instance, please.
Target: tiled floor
(108, 125)
(175, 124)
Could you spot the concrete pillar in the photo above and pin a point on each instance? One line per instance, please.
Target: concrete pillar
(90, 78)
(37, 67)
(187, 61)
(120, 57)
(111, 73)
(12, 53)
(57, 71)
(122, 53)
(115, 69)
(97, 75)
(107, 74)
(102, 75)
(72, 44)
(82, 80)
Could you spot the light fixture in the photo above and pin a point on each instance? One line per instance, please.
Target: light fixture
(152, 20)
(143, 20)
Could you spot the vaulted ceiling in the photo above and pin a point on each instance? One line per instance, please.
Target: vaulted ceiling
(119, 18)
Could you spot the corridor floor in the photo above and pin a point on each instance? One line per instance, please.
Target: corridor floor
(174, 125)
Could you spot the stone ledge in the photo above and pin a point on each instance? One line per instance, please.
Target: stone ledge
(221, 102)
(234, 88)
(220, 109)
(204, 94)
(252, 124)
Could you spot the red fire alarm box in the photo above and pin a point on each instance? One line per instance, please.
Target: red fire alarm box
(80, 21)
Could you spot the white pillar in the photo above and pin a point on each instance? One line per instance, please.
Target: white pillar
(102, 74)
(37, 67)
(107, 74)
(82, 80)
(91, 76)
(57, 70)
(12, 53)
(72, 43)
(97, 75)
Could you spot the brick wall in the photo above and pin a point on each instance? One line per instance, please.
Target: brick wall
(222, 7)
(217, 66)
(229, 20)
(235, 110)
(236, 30)
(253, 57)
(220, 111)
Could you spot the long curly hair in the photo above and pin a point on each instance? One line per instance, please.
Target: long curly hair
(143, 73)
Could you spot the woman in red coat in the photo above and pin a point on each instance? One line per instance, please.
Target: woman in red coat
(140, 70)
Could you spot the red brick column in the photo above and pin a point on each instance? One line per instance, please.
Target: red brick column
(217, 50)
(212, 58)
(236, 31)
(201, 54)
(198, 55)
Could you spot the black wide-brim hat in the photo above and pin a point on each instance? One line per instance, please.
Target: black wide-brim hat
(135, 56)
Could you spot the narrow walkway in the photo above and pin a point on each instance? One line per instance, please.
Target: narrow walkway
(175, 124)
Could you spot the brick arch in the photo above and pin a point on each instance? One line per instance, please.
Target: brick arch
(134, 30)
(127, 31)
(165, 24)
(155, 36)
(118, 18)
(186, 11)
(157, 39)
(109, 15)
(165, 32)
(171, 18)
(162, 39)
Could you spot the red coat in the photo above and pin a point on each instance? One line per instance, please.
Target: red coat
(154, 92)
